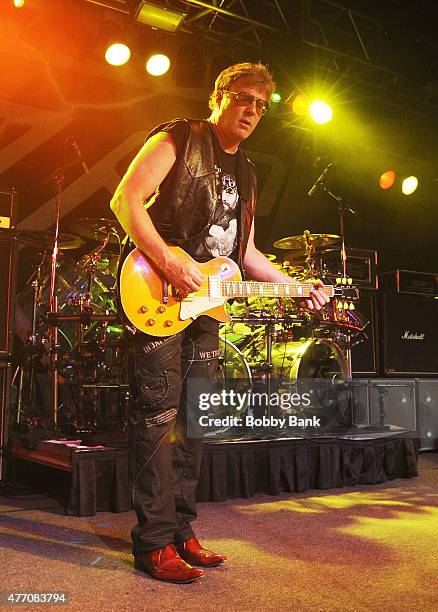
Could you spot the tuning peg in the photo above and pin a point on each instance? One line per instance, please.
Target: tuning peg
(352, 306)
(344, 280)
(345, 305)
(338, 280)
(350, 281)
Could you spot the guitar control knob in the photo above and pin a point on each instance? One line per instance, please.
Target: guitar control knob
(161, 309)
(151, 322)
(144, 308)
(168, 323)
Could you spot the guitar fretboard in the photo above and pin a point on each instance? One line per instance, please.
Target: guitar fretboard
(258, 289)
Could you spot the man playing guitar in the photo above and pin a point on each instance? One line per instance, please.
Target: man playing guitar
(200, 193)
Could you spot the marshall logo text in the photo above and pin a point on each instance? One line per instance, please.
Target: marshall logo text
(412, 336)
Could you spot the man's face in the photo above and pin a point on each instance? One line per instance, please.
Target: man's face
(238, 122)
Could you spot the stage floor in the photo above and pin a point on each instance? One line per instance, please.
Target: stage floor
(95, 479)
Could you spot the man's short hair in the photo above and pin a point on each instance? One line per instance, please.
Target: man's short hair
(257, 73)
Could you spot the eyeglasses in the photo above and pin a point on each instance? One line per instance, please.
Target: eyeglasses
(242, 98)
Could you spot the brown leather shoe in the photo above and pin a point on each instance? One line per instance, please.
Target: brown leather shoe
(165, 564)
(195, 554)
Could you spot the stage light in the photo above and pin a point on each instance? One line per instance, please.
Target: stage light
(387, 179)
(158, 64)
(409, 185)
(300, 105)
(276, 97)
(117, 54)
(320, 112)
(159, 17)
(18, 3)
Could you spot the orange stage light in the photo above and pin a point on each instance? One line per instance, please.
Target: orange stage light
(387, 179)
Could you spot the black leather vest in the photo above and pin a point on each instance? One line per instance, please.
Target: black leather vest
(183, 207)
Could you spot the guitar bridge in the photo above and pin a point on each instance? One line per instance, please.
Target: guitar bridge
(165, 291)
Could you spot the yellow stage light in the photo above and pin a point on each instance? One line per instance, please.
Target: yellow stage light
(387, 179)
(158, 64)
(321, 112)
(161, 18)
(300, 105)
(276, 97)
(18, 3)
(117, 54)
(409, 185)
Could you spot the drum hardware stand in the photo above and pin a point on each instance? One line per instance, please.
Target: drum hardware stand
(268, 365)
(33, 348)
(57, 179)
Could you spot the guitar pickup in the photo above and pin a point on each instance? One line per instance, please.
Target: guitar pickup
(214, 287)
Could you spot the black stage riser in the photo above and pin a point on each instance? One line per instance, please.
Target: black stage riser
(98, 479)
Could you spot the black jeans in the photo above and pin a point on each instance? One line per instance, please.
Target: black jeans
(164, 462)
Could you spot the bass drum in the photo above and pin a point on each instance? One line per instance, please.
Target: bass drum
(304, 359)
(233, 375)
(316, 367)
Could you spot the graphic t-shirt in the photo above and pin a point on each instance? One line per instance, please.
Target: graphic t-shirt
(221, 235)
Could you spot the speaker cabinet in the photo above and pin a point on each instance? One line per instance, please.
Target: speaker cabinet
(364, 356)
(385, 403)
(427, 399)
(410, 335)
(8, 255)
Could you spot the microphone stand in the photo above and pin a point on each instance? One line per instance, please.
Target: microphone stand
(343, 207)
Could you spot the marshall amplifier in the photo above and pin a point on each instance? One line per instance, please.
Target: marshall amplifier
(406, 281)
(361, 266)
(7, 208)
(410, 335)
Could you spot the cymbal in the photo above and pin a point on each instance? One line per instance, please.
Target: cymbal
(98, 229)
(300, 242)
(288, 267)
(300, 254)
(43, 239)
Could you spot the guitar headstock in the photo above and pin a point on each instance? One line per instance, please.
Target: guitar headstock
(345, 293)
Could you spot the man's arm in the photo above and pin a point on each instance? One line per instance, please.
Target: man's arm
(147, 171)
(260, 268)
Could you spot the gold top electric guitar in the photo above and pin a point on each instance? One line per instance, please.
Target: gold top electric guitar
(154, 307)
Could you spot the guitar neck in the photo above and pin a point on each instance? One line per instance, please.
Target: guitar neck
(233, 289)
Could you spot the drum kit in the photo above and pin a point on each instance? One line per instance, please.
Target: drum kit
(272, 344)
(77, 343)
(80, 343)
